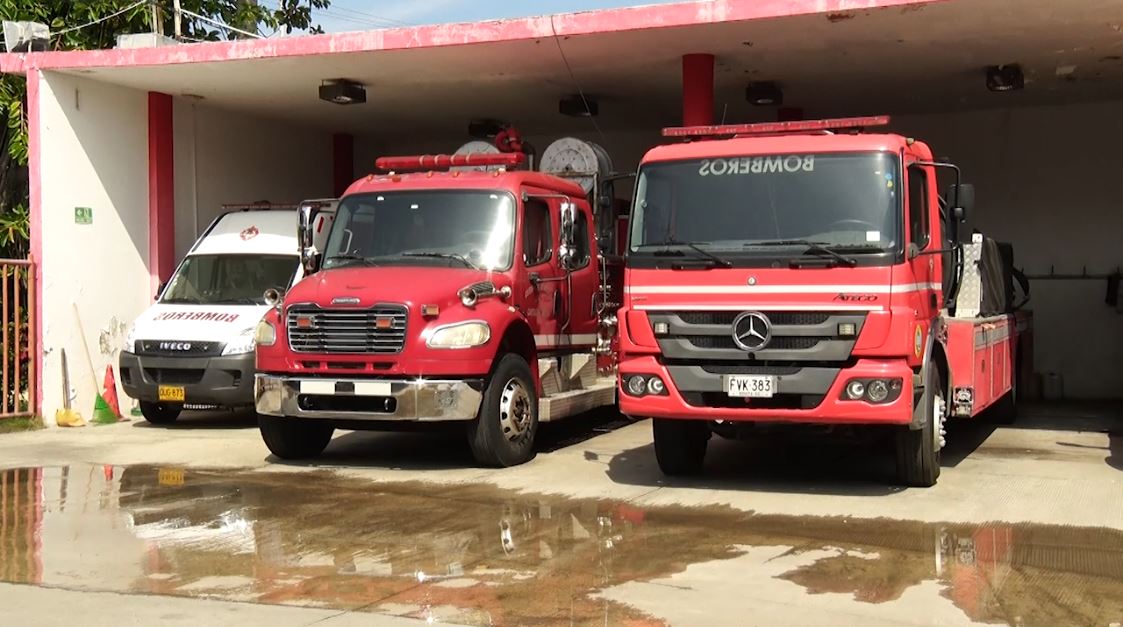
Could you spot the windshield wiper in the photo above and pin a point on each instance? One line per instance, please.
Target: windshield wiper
(702, 252)
(812, 248)
(435, 255)
(346, 259)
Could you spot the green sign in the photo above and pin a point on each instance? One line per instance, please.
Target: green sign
(83, 215)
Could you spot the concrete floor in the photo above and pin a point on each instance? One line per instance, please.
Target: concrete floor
(780, 530)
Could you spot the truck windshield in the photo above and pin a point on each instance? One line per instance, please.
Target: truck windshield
(229, 279)
(464, 228)
(769, 205)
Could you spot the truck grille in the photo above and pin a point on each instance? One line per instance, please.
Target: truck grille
(706, 337)
(177, 348)
(378, 330)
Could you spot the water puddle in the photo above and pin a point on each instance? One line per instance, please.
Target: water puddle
(477, 555)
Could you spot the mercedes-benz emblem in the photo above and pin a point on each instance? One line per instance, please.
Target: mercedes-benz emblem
(752, 331)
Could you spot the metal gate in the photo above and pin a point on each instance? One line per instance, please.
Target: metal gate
(18, 392)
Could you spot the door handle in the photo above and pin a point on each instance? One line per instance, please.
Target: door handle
(535, 279)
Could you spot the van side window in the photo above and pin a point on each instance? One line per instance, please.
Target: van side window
(536, 233)
(918, 206)
(581, 245)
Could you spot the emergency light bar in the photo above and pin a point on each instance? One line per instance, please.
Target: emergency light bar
(776, 128)
(444, 162)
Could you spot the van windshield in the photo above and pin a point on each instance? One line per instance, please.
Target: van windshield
(229, 279)
(464, 228)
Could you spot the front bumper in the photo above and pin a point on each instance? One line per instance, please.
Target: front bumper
(830, 410)
(415, 400)
(223, 381)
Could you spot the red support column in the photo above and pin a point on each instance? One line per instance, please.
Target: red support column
(697, 89)
(161, 189)
(35, 185)
(342, 162)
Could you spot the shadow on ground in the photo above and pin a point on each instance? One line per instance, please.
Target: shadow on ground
(204, 420)
(857, 464)
(446, 446)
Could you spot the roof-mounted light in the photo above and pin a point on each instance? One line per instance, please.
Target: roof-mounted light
(777, 128)
(421, 163)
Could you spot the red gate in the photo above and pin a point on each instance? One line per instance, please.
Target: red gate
(18, 391)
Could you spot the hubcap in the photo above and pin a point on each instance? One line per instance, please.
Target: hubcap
(514, 410)
(939, 411)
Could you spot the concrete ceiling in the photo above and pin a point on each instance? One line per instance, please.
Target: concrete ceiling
(902, 59)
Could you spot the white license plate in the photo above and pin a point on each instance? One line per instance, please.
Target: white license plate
(750, 386)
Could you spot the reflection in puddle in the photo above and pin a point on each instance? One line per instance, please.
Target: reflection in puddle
(478, 555)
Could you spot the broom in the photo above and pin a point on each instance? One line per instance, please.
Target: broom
(103, 415)
(67, 417)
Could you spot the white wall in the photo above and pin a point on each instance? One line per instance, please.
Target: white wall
(94, 153)
(225, 158)
(1046, 182)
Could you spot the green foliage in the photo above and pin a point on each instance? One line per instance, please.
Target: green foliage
(62, 16)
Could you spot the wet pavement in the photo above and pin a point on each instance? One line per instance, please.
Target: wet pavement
(479, 555)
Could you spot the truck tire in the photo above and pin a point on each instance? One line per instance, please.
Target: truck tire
(918, 450)
(680, 445)
(503, 432)
(294, 438)
(159, 413)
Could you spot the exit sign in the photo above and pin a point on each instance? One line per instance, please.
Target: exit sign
(83, 215)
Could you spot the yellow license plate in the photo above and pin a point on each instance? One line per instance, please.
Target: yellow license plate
(171, 476)
(173, 393)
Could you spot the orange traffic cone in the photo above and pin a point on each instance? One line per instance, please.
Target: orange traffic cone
(109, 392)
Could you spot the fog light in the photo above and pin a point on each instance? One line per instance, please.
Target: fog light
(847, 329)
(655, 386)
(636, 385)
(855, 390)
(661, 328)
(877, 391)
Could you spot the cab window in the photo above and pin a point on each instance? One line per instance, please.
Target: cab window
(536, 233)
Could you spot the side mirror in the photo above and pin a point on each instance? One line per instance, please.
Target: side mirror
(160, 290)
(304, 234)
(961, 199)
(568, 218)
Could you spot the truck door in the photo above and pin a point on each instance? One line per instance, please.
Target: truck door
(924, 231)
(583, 282)
(540, 294)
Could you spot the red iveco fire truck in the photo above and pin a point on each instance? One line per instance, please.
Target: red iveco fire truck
(453, 288)
(806, 272)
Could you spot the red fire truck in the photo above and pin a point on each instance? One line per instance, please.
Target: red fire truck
(453, 288)
(808, 272)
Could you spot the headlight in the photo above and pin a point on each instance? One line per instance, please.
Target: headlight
(460, 335)
(130, 340)
(265, 334)
(242, 344)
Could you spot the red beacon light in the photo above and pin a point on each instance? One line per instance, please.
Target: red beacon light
(421, 163)
(777, 128)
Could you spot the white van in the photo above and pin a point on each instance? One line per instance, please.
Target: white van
(194, 347)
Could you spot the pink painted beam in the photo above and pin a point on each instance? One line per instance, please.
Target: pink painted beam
(566, 25)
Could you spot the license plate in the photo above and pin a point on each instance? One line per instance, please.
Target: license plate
(750, 386)
(171, 393)
(171, 476)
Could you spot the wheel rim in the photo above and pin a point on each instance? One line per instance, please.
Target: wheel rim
(939, 416)
(515, 413)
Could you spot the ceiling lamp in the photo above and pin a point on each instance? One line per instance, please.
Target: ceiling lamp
(1005, 77)
(578, 106)
(342, 92)
(764, 94)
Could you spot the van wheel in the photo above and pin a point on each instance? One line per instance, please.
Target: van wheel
(294, 438)
(159, 413)
(504, 430)
(680, 445)
(918, 450)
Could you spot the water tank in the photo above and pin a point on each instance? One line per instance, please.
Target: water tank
(576, 159)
